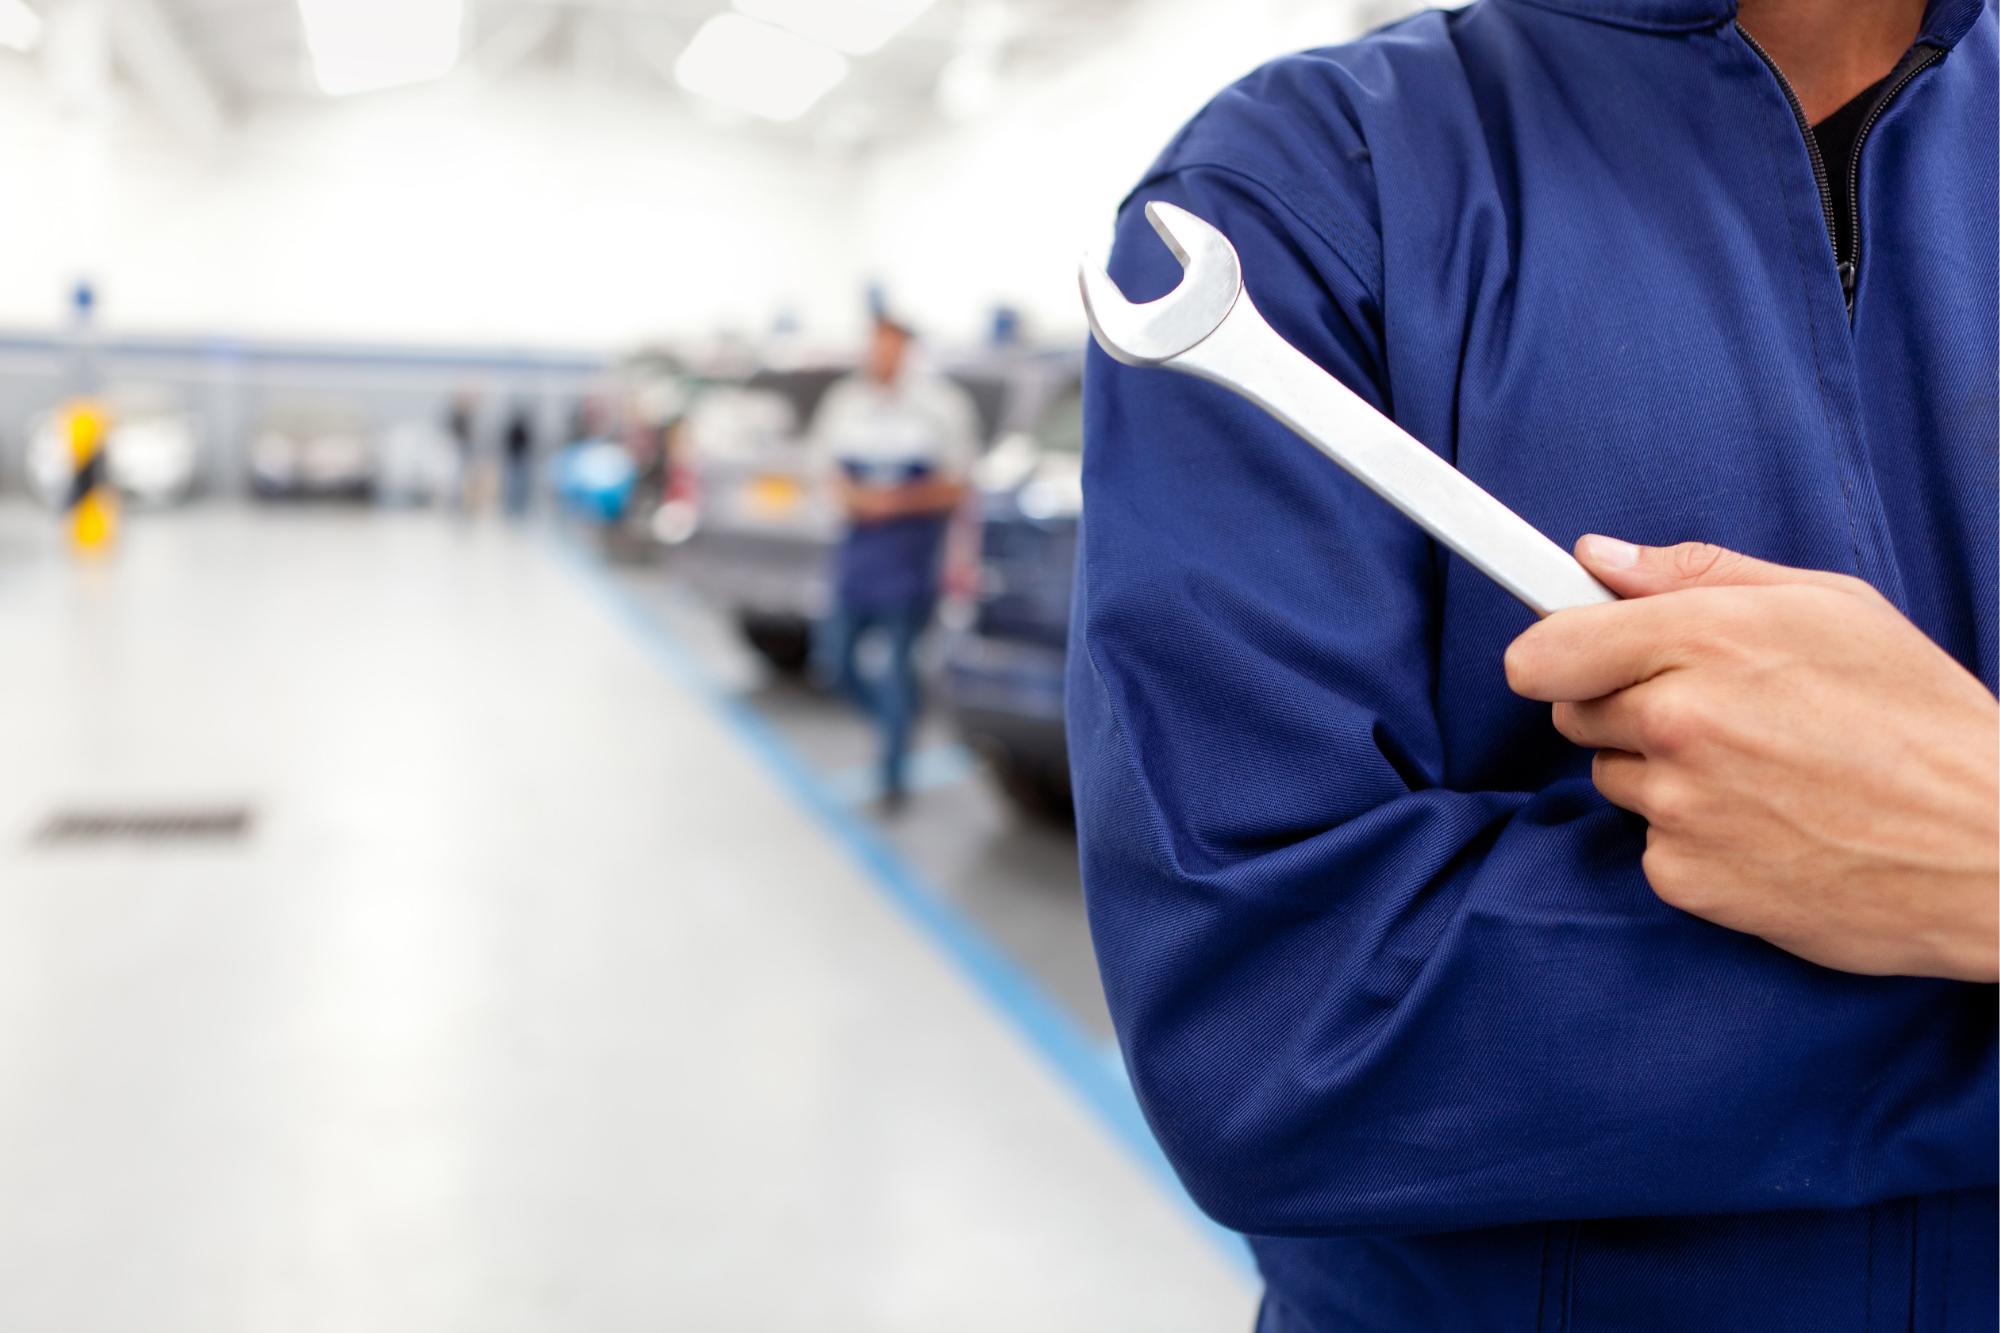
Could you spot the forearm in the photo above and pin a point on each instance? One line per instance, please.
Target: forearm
(875, 504)
(1379, 957)
(1460, 1009)
(850, 497)
(929, 496)
(1812, 768)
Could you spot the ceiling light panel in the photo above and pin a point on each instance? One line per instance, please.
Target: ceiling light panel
(758, 68)
(20, 26)
(857, 27)
(359, 46)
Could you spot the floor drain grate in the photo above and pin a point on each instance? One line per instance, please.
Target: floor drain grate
(222, 823)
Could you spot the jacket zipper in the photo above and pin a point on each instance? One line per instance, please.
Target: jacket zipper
(1848, 265)
(1805, 131)
(1850, 271)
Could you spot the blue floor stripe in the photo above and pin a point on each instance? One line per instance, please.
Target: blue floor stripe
(1080, 1061)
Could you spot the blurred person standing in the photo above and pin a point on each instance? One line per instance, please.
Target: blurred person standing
(461, 424)
(894, 443)
(517, 458)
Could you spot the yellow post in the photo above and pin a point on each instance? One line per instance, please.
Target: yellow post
(93, 510)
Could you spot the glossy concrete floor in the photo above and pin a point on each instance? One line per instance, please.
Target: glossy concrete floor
(1014, 876)
(529, 1001)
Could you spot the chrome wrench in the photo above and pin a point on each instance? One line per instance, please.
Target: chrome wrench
(1207, 327)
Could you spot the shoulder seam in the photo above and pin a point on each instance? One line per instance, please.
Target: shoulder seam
(1359, 251)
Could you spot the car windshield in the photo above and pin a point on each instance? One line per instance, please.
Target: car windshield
(801, 390)
(989, 401)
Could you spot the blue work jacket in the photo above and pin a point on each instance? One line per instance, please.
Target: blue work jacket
(1392, 988)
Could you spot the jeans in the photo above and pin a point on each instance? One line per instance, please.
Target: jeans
(519, 490)
(892, 700)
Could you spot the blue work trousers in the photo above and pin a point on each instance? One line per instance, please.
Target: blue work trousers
(892, 699)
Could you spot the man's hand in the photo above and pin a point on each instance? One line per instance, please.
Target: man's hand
(1811, 767)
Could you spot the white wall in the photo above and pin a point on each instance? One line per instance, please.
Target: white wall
(1000, 209)
(547, 215)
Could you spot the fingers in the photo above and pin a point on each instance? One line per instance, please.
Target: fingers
(1590, 651)
(1600, 724)
(1660, 718)
(1621, 779)
(1642, 571)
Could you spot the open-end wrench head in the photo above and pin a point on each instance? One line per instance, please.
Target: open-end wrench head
(1158, 331)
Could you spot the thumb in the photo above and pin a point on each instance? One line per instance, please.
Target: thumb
(1641, 571)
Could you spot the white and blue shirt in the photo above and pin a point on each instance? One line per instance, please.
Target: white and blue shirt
(921, 427)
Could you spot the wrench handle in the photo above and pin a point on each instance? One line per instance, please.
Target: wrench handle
(1247, 356)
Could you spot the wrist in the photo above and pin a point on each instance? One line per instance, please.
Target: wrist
(1967, 942)
(1971, 949)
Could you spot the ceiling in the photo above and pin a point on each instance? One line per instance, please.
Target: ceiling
(253, 51)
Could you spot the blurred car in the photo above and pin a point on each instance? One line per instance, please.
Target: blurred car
(416, 465)
(1003, 671)
(152, 455)
(313, 451)
(760, 532)
(760, 536)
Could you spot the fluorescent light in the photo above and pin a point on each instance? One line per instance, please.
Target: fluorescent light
(757, 68)
(968, 84)
(857, 27)
(360, 45)
(20, 26)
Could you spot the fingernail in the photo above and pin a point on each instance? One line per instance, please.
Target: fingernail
(1609, 552)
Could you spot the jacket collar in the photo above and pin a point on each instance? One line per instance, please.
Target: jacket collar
(1945, 21)
(1656, 15)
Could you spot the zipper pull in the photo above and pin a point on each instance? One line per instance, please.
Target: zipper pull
(1850, 274)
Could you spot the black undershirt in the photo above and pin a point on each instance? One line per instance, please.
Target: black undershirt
(1836, 135)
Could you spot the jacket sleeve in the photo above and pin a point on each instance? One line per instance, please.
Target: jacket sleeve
(1353, 998)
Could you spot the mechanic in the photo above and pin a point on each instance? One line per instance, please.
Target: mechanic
(894, 442)
(1669, 1016)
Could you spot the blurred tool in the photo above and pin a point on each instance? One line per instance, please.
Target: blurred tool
(1208, 328)
(93, 512)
